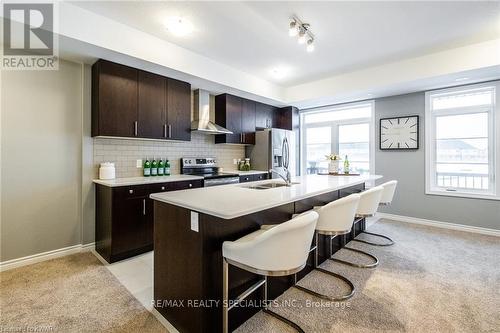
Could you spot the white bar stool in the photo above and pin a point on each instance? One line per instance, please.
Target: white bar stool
(335, 219)
(278, 251)
(368, 203)
(385, 200)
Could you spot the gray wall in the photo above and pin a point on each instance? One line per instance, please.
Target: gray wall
(408, 167)
(41, 160)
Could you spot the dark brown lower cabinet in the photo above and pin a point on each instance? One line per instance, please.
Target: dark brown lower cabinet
(124, 218)
(253, 178)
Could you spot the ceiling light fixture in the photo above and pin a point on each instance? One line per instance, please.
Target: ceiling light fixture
(310, 45)
(178, 26)
(301, 29)
(292, 31)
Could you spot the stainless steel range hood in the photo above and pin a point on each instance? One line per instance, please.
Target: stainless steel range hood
(201, 122)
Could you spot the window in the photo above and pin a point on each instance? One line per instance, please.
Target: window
(345, 130)
(462, 154)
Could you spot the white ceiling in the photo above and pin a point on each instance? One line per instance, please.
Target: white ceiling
(253, 36)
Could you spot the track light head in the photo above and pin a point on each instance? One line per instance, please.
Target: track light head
(292, 31)
(310, 45)
(302, 35)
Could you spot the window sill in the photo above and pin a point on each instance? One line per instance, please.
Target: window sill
(463, 195)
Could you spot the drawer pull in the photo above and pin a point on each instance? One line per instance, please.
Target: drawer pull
(131, 191)
(246, 178)
(190, 185)
(163, 188)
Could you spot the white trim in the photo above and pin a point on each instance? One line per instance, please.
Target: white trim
(39, 257)
(440, 224)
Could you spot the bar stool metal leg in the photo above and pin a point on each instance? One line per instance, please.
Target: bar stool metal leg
(226, 306)
(375, 259)
(391, 242)
(338, 276)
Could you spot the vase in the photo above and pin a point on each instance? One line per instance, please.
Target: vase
(333, 167)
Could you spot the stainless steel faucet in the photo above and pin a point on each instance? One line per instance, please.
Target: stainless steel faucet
(287, 178)
(286, 162)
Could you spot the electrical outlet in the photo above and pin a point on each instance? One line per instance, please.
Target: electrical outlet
(235, 161)
(138, 164)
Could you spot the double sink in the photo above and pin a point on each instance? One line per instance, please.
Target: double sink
(267, 186)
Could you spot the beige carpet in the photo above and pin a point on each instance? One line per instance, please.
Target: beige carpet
(70, 294)
(431, 280)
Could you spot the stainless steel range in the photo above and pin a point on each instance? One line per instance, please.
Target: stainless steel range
(207, 168)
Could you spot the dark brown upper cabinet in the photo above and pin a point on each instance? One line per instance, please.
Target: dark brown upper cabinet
(287, 118)
(264, 115)
(127, 102)
(178, 125)
(152, 96)
(248, 121)
(237, 115)
(114, 100)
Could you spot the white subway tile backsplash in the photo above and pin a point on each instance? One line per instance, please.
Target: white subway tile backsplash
(125, 152)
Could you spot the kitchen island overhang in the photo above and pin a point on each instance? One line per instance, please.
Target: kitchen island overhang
(190, 227)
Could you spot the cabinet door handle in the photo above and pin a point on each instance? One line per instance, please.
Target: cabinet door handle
(135, 128)
(169, 130)
(165, 130)
(143, 206)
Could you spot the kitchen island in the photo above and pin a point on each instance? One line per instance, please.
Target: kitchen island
(190, 227)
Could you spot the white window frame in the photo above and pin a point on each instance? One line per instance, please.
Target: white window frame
(431, 188)
(334, 125)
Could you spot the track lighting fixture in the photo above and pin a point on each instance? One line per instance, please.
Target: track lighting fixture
(300, 29)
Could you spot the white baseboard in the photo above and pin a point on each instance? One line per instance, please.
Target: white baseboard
(440, 224)
(39, 257)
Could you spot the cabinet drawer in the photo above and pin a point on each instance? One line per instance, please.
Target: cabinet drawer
(246, 179)
(260, 176)
(186, 184)
(127, 192)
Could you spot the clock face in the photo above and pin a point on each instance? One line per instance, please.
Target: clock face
(399, 133)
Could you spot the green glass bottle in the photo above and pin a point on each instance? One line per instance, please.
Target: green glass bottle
(147, 168)
(346, 165)
(154, 167)
(161, 167)
(167, 168)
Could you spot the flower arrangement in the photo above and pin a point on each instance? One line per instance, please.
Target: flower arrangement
(333, 157)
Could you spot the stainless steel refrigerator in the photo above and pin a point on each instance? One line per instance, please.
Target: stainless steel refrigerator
(268, 151)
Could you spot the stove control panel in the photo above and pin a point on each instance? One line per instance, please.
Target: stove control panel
(193, 162)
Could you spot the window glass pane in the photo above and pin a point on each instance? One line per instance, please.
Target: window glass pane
(473, 98)
(462, 150)
(358, 151)
(361, 111)
(319, 135)
(462, 126)
(354, 133)
(316, 160)
(465, 176)
(354, 142)
(359, 167)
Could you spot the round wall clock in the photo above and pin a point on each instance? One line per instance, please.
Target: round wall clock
(400, 133)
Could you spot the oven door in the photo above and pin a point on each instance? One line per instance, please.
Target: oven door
(221, 181)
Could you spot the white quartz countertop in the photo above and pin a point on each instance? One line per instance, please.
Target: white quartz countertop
(245, 173)
(234, 200)
(144, 180)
